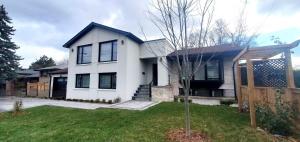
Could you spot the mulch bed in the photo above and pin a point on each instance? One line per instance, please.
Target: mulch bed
(178, 135)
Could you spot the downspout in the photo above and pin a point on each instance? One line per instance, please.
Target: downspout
(50, 90)
(234, 83)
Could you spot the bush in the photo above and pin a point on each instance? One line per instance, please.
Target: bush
(97, 101)
(103, 101)
(109, 101)
(278, 121)
(227, 102)
(117, 100)
(91, 101)
(181, 100)
(18, 105)
(175, 99)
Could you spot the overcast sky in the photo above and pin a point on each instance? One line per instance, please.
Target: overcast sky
(43, 26)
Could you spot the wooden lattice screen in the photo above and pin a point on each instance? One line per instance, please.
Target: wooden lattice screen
(267, 73)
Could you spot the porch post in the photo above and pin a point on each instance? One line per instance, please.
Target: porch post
(289, 70)
(251, 92)
(238, 86)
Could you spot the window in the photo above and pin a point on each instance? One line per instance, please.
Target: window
(200, 73)
(84, 54)
(108, 51)
(210, 71)
(107, 80)
(82, 80)
(213, 70)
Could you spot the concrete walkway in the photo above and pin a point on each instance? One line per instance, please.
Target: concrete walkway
(6, 104)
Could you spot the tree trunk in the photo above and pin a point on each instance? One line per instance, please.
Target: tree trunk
(187, 112)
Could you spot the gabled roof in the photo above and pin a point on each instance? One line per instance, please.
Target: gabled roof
(217, 49)
(96, 25)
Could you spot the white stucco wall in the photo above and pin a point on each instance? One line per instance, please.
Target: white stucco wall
(123, 87)
(155, 48)
(228, 85)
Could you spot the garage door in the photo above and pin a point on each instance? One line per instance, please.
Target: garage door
(59, 87)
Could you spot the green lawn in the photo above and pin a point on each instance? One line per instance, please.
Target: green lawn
(49, 123)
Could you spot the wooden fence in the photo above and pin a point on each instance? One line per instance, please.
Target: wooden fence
(267, 96)
(39, 89)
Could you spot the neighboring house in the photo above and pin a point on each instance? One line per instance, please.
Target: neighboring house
(107, 63)
(18, 85)
(37, 83)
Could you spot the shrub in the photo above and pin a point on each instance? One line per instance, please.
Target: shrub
(181, 100)
(91, 101)
(117, 100)
(97, 101)
(278, 121)
(175, 99)
(103, 101)
(81, 100)
(18, 105)
(227, 102)
(109, 101)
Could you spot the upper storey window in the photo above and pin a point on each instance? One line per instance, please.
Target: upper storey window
(108, 51)
(84, 54)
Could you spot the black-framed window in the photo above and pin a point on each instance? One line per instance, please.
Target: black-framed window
(84, 54)
(107, 80)
(82, 80)
(108, 51)
(213, 70)
(210, 71)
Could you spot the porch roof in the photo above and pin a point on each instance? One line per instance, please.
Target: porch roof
(217, 49)
(265, 52)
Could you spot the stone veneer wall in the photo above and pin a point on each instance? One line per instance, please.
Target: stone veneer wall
(162, 93)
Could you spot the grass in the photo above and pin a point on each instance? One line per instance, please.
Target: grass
(49, 123)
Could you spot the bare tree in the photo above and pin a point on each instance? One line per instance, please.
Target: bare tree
(186, 25)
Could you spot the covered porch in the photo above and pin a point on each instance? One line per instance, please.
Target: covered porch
(260, 73)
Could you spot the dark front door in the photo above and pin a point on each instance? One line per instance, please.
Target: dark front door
(59, 87)
(154, 74)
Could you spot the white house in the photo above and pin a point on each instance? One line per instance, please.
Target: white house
(107, 63)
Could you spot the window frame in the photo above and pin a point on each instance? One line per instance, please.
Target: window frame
(220, 72)
(81, 86)
(112, 51)
(111, 80)
(78, 49)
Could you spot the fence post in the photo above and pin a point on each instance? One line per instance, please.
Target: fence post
(238, 86)
(251, 92)
(289, 69)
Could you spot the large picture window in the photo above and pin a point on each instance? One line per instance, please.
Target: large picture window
(210, 71)
(107, 80)
(213, 70)
(84, 54)
(82, 80)
(108, 51)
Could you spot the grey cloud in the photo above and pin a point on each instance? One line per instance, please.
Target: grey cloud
(53, 22)
(284, 7)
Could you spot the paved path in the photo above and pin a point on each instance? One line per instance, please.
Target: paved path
(6, 104)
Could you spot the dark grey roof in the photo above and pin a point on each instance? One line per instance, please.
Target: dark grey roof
(225, 48)
(57, 67)
(96, 25)
(27, 73)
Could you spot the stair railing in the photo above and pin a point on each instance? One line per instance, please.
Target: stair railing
(150, 85)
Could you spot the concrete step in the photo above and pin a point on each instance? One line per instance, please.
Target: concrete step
(139, 98)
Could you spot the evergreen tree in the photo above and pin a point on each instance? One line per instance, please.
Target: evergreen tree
(9, 61)
(43, 62)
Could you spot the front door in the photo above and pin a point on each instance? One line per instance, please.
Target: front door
(59, 87)
(154, 74)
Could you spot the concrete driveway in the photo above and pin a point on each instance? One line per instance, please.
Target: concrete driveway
(6, 104)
